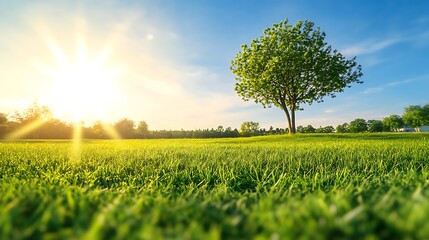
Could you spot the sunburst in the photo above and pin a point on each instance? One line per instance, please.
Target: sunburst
(81, 89)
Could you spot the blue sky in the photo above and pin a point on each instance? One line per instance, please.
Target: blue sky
(170, 59)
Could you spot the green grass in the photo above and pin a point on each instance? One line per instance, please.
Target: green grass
(323, 186)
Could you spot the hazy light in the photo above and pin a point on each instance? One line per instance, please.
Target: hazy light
(76, 151)
(81, 89)
(26, 129)
(111, 131)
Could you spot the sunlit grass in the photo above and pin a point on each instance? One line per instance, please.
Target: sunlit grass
(311, 186)
(75, 151)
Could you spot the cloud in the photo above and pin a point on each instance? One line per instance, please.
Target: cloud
(422, 20)
(373, 90)
(371, 61)
(409, 80)
(369, 46)
(394, 84)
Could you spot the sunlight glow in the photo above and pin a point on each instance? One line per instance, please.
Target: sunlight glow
(111, 131)
(26, 129)
(76, 151)
(82, 89)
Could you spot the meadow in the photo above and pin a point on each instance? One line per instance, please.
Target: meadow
(317, 186)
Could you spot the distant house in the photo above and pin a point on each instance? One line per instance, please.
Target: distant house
(411, 129)
(407, 128)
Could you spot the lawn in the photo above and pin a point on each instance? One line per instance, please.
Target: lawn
(317, 186)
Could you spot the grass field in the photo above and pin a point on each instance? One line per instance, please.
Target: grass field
(373, 186)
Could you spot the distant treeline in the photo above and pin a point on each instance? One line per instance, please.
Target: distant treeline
(413, 119)
(36, 123)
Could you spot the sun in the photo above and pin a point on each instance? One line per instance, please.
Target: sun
(82, 88)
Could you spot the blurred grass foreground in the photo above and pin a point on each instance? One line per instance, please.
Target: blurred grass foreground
(364, 186)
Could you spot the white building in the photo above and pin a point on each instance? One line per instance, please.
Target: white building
(411, 129)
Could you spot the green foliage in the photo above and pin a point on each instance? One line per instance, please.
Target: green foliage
(249, 128)
(342, 128)
(358, 125)
(125, 128)
(3, 124)
(392, 123)
(315, 186)
(292, 65)
(307, 129)
(375, 126)
(327, 129)
(416, 116)
(143, 129)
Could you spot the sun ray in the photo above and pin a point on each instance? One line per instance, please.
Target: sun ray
(111, 131)
(58, 53)
(83, 88)
(26, 129)
(86, 84)
(76, 150)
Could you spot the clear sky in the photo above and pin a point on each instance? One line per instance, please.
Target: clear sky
(167, 62)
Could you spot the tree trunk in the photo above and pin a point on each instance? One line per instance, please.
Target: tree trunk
(293, 129)
(290, 120)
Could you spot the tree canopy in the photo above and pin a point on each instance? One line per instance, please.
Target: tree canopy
(290, 66)
(416, 116)
(392, 123)
(358, 125)
(249, 128)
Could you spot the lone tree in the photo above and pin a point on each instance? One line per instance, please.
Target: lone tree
(292, 65)
(416, 116)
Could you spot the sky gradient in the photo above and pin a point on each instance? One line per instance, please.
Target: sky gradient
(171, 59)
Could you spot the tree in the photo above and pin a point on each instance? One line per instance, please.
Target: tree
(98, 130)
(426, 113)
(249, 128)
(358, 125)
(33, 113)
(343, 128)
(143, 129)
(426, 110)
(375, 126)
(3, 118)
(33, 118)
(125, 128)
(392, 123)
(327, 129)
(308, 129)
(416, 116)
(3, 124)
(290, 66)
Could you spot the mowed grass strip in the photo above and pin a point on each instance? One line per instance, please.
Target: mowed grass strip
(278, 187)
